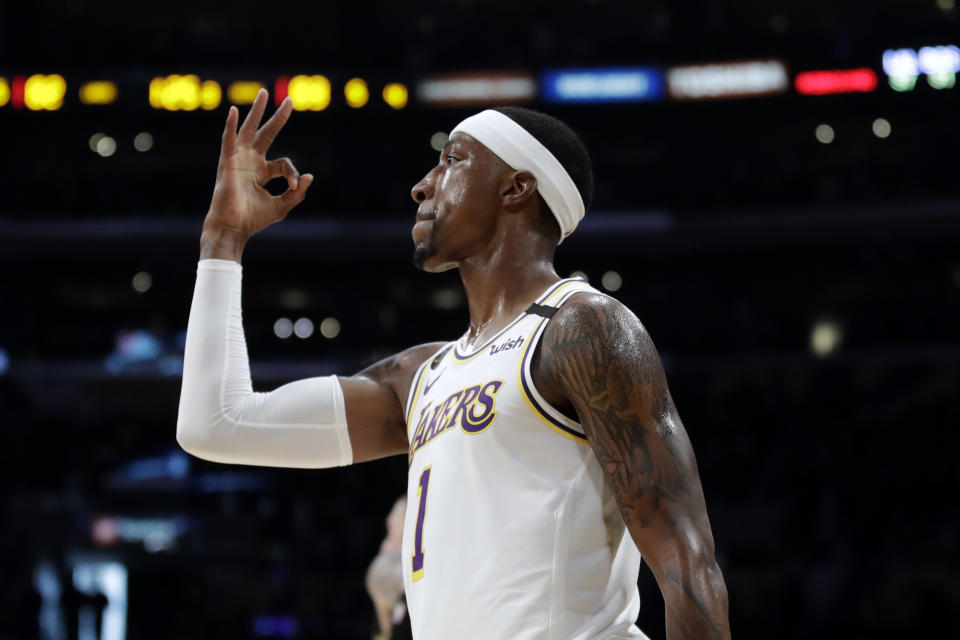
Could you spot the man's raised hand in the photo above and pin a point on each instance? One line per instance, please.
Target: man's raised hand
(241, 206)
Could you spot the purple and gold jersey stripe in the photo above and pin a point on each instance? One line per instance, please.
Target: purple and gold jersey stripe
(415, 391)
(530, 398)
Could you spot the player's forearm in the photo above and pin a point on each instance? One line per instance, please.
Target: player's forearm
(696, 602)
(301, 424)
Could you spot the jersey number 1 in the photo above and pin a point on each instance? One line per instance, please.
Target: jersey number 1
(421, 514)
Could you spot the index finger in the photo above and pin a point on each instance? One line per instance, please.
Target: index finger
(252, 121)
(269, 131)
(228, 143)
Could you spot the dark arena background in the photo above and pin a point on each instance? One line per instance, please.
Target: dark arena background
(777, 199)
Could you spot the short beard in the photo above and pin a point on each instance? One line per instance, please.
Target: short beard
(422, 254)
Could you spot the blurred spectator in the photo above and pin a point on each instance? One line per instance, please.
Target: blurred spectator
(384, 579)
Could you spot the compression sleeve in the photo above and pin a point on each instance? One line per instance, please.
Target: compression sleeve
(302, 424)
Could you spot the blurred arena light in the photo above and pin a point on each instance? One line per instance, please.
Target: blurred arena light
(4, 361)
(309, 93)
(946, 5)
(134, 349)
(243, 91)
(611, 281)
(727, 80)
(941, 64)
(825, 337)
(143, 141)
(579, 274)
(825, 134)
(396, 95)
(902, 67)
(303, 328)
(4, 92)
(330, 328)
(106, 146)
(356, 92)
(283, 328)
(438, 139)
(95, 140)
(639, 84)
(98, 92)
(280, 89)
(16, 91)
(294, 299)
(184, 93)
(477, 89)
(210, 95)
(881, 128)
(820, 83)
(155, 534)
(44, 92)
(142, 281)
(447, 298)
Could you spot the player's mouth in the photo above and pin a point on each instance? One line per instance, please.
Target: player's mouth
(421, 228)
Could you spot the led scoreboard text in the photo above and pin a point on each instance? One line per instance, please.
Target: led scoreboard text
(718, 80)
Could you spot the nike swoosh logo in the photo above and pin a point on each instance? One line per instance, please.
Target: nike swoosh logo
(429, 385)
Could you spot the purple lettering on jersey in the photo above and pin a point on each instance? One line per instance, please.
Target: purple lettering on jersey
(471, 407)
(466, 399)
(421, 426)
(438, 423)
(474, 422)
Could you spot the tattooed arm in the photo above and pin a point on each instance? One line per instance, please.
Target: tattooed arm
(598, 361)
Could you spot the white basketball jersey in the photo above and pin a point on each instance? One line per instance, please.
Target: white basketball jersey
(510, 531)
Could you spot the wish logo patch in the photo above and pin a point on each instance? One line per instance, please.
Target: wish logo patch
(511, 343)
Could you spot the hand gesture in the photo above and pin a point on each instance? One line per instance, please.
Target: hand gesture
(241, 206)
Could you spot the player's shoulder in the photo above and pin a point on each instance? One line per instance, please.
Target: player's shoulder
(592, 310)
(410, 359)
(398, 369)
(595, 320)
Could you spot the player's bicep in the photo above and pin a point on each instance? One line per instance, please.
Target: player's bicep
(374, 418)
(374, 400)
(604, 362)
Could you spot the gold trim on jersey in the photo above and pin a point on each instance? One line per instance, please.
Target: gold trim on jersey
(416, 394)
(531, 402)
(544, 297)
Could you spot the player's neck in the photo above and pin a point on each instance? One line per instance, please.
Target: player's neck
(501, 284)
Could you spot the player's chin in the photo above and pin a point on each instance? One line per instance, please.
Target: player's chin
(424, 245)
(425, 258)
(421, 254)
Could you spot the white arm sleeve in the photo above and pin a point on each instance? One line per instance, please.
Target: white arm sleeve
(302, 424)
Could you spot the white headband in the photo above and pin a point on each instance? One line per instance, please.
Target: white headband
(514, 145)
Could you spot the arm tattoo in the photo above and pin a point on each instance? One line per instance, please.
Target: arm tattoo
(598, 356)
(623, 404)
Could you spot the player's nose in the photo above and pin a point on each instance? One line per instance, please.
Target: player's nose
(423, 190)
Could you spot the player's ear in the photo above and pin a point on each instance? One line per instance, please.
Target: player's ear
(517, 188)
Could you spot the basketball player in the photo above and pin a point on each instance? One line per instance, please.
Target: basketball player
(545, 452)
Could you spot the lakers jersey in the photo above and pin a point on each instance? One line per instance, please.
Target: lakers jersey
(510, 531)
